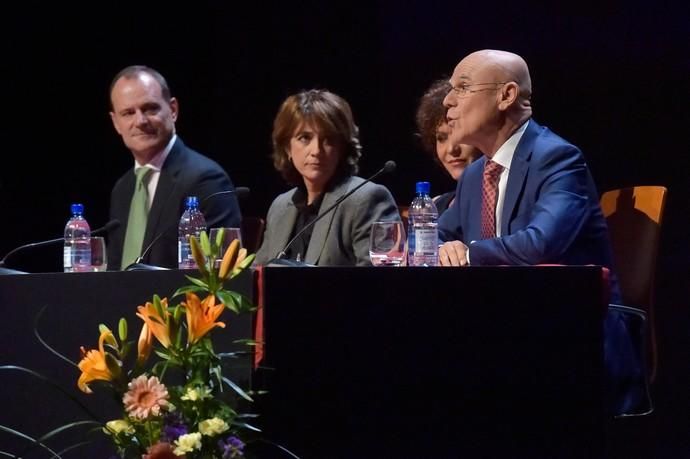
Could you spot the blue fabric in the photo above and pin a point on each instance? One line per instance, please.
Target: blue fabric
(551, 215)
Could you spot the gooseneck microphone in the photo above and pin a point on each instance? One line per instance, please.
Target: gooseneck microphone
(138, 265)
(387, 168)
(240, 191)
(111, 225)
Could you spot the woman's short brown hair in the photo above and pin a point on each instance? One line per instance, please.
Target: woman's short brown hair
(329, 113)
(431, 113)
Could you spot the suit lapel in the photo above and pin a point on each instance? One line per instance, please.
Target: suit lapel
(519, 167)
(323, 226)
(167, 181)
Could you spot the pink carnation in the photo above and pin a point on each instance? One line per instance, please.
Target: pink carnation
(145, 397)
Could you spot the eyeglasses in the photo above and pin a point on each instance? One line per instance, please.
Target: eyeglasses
(464, 89)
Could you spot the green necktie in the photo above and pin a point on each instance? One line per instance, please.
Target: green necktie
(138, 213)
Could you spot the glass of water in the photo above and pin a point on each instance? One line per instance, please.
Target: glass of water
(387, 243)
(99, 254)
(229, 235)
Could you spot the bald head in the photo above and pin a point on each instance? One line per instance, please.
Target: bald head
(490, 99)
(503, 66)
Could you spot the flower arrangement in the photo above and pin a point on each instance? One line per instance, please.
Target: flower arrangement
(181, 405)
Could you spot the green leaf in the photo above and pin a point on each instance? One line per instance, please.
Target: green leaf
(228, 300)
(246, 426)
(237, 389)
(50, 383)
(26, 437)
(198, 282)
(247, 342)
(122, 329)
(188, 289)
(60, 429)
(240, 301)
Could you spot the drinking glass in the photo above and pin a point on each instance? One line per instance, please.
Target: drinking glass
(229, 235)
(387, 243)
(99, 254)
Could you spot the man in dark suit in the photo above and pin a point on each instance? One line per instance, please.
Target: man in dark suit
(149, 199)
(530, 200)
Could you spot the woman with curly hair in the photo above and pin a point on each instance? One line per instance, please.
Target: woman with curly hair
(434, 134)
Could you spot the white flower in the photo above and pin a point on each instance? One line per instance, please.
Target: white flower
(213, 426)
(117, 426)
(193, 394)
(187, 443)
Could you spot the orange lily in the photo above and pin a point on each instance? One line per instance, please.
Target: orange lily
(94, 366)
(144, 344)
(156, 324)
(201, 316)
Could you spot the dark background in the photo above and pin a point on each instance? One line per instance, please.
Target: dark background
(612, 77)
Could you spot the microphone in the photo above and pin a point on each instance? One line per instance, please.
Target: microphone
(138, 265)
(240, 192)
(111, 225)
(387, 168)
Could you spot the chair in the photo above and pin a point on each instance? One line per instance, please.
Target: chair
(634, 219)
(252, 233)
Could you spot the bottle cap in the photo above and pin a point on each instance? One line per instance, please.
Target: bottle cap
(191, 202)
(423, 187)
(77, 209)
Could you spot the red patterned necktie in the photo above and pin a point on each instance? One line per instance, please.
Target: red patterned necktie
(492, 172)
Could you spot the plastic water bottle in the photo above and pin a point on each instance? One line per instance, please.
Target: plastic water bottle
(77, 249)
(422, 233)
(192, 223)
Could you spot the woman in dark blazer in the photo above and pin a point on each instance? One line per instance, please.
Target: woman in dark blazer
(316, 148)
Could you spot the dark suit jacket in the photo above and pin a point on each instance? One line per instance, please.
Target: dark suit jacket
(338, 239)
(184, 173)
(551, 211)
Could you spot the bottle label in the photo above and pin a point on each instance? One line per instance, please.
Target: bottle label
(426, 240)
(67, 257)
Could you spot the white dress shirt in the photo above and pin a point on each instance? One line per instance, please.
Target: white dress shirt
(156, 164)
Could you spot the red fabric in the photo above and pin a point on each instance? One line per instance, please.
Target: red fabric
(492, 173)
(259, 316)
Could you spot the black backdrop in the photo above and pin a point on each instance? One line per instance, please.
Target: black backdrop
(611, 77)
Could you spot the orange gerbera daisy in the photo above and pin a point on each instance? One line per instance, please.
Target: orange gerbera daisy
(157, 324)
(145, 397)
(201, 316)
(94, 366)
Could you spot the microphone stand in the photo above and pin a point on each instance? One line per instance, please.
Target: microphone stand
(280, 259)
(107, 227)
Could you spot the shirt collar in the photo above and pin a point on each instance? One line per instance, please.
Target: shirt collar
(504, 155)
(157, 161)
